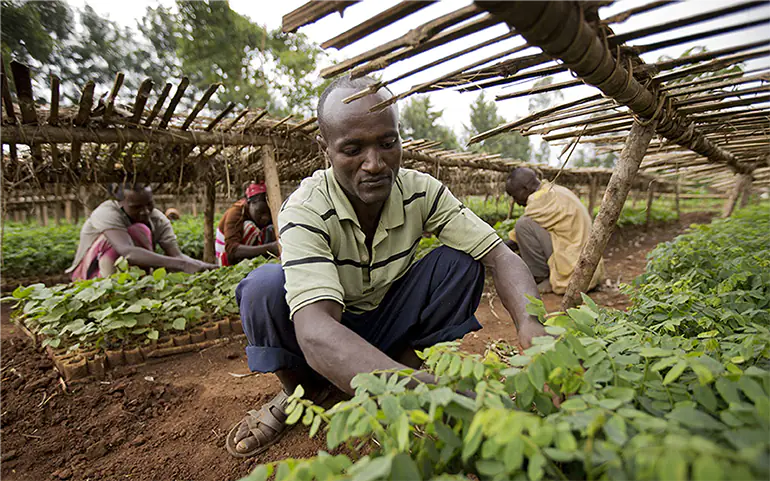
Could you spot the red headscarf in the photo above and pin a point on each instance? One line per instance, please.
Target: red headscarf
(254, 190)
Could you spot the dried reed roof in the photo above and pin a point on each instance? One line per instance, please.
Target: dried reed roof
(110, 140)
(713, 121)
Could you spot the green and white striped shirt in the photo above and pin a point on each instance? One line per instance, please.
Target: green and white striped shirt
(324, 253)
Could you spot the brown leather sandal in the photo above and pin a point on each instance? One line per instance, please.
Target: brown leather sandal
(267, 425)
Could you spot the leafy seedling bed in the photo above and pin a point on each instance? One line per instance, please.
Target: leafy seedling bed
(89, 327)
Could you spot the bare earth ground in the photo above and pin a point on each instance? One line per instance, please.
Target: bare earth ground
(167, 421)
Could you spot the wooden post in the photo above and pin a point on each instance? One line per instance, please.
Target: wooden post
(195, 205)
(16, 215)
(273, 184)
(57, 205)
(39, 213)
(510, 209)
(44, 209)
(741, 181)
(612, 203)
(676, 197)
(650, 199)
(592, 190)
(209, 201)
(746, 194)
(68, 211)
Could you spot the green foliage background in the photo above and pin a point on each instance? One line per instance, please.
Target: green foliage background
(645, 394)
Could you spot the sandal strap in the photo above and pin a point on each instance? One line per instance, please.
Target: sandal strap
(272, 415)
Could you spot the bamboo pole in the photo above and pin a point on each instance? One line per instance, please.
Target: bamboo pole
(612, 203)
(273, 184)
(741, 181)
(677, 197)
(210, 200)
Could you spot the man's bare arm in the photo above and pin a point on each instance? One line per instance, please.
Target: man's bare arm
(513, 282)
(137, 256)
(249, 252)
(336, 352)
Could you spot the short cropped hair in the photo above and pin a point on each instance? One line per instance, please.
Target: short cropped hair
(344, 82)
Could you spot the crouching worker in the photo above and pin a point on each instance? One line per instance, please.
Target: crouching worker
(129, 227)
(350, 297)
(246, 229)
(551, 233)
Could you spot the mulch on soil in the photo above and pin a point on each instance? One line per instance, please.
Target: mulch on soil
(167, 420)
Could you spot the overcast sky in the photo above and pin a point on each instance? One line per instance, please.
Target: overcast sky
(456, 106)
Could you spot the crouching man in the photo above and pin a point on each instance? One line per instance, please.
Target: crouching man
(349, 296)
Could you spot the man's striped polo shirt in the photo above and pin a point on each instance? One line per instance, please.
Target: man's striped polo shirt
(324, 253)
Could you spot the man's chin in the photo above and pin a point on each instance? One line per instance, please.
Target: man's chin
(374, 195)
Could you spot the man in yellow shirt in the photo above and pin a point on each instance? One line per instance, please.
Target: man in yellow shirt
(552, 232)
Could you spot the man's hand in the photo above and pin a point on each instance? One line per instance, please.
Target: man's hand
(193, 266)
(514, 283)
(528, 331)
(273, 248)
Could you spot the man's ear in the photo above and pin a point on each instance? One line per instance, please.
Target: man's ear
(322, 142)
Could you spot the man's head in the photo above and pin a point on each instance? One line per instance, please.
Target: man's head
(257, 206)
(136, 201)
(522, 182)
(364, 147)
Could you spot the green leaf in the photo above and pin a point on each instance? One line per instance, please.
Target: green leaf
(391, 408)
(751, 388)
(581, 317)
(373, 469)
(695, 419)
(159, 273)
(704, 374)
(574, 404)
(536, 373)
(674, 373)
(403, 468)
(315, 426)
(467, 367)
(153, 334)
(478, 371)
(615, 430)
(728, 390)
(706, 468)
(488, 468)
(260, 473)
(513, 455)
(402, 429)
(535, 467)
(672, 466)
(308, 417)
(455, 365)
(179, 323)
(295, 414)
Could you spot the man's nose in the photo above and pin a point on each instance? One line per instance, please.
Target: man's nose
(373, 163)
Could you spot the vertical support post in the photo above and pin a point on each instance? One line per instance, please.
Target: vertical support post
(676, 197)
(209, 201)
(16, 216)
(741, 181)
(44, 209)
(39, 213)
(57, 204)
(650, 199)
(510, 209)
(612, 203)
(273, 184)
(593, 187)
(746, 198)
(195, 205)
(68, 211)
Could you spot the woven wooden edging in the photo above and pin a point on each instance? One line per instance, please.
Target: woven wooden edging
(82, 364)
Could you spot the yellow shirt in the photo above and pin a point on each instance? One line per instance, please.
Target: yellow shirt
(561, 213)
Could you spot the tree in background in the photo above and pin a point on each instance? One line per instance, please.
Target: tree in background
(484, 117)
(420, 121)
(543, 153)
(585, 156)
(206, 41)
(209, 42)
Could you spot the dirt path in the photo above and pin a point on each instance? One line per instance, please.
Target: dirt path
(168, 421)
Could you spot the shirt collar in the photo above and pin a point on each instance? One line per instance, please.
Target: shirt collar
(392, 214)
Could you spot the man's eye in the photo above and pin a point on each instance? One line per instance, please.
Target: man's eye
(351, 151)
